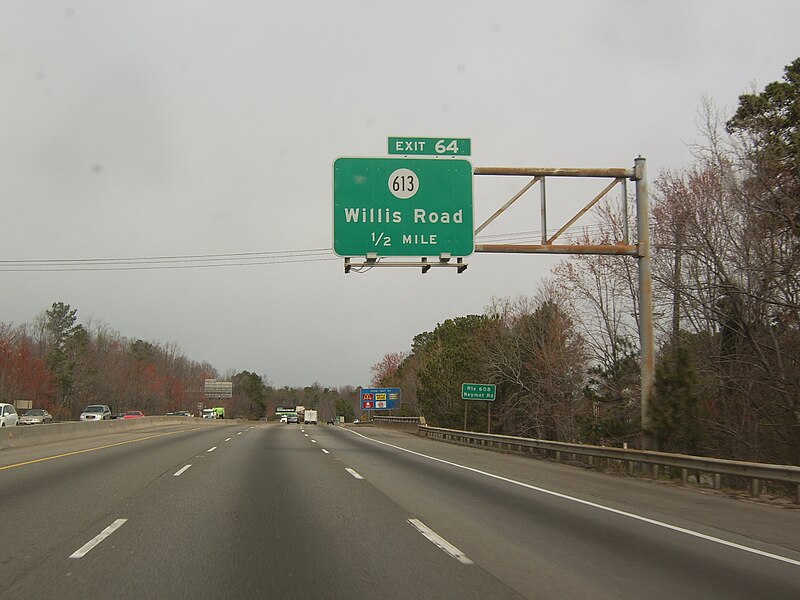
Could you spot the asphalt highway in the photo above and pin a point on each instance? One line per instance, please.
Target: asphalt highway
(287, 511)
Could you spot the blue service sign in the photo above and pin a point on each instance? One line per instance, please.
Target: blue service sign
(380, 398)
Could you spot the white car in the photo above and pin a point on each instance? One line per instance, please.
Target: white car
(8, 415)
(96, 412)
(35, 416)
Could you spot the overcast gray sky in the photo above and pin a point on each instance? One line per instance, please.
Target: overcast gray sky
(183, 128)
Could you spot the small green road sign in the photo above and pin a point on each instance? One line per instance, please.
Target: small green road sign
(402, 207)
(430, 146)
(478, 391)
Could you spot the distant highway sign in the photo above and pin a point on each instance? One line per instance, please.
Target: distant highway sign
(479, 391)
(380, 398)
(218, 389)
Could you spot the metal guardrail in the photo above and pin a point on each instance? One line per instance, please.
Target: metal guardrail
(755, 472)
(409, 420)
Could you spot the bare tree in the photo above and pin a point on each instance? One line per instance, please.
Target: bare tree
(539, 360)
(730, 266)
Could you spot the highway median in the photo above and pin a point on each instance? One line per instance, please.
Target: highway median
(34, 435)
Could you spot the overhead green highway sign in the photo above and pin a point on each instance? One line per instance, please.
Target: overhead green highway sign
(430, 146)
(402, 207)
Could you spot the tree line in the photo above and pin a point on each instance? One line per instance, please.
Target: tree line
(726, 267)
(254, 397)
(61, 365)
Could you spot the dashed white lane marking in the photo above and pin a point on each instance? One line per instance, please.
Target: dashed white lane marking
(228, 440)
(325, 451)
(181, 471)
(240, 433)
(353, 473)
(211, 449)
(83, 550)
(306, 435)
(440, 542)
(313, 441)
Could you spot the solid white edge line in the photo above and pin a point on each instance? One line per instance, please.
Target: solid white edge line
(181, 471)
(83, 550)
(439, 541)
(615, 511)
(354, 473)
(325, 451)
(211, 449)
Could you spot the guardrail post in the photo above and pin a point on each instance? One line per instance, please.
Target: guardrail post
(755, 487)
(717, 481)
(684, 476)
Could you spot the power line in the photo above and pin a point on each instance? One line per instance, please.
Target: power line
(180, 257)
(219, 260)
(144, 263)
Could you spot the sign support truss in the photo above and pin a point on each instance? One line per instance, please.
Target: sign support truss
(640, 250)
(548, 246)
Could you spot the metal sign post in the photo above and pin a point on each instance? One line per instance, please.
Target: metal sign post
(218, 390)
(391, 207)
(639, 250)
(485, 392)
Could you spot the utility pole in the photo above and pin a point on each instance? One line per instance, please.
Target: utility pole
(676, 284)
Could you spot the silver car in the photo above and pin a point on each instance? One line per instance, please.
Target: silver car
(96, 412)
(8, 415)
(36, 416)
